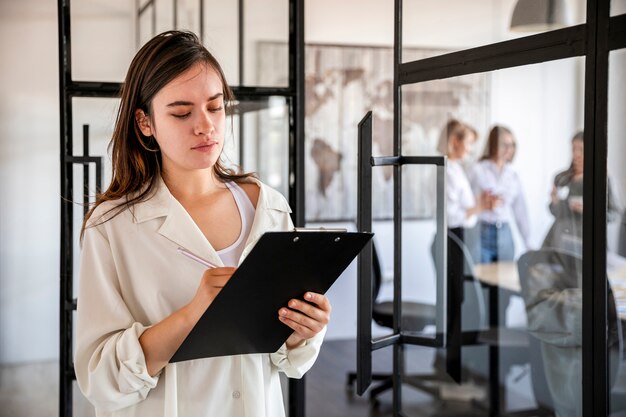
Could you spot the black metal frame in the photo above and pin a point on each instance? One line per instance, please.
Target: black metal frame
(594, 40)
(69, 89)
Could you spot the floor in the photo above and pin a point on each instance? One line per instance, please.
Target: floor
(31, 390)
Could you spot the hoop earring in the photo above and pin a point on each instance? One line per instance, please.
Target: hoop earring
(143, 145)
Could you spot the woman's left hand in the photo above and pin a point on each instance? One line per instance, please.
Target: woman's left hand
(306, 318)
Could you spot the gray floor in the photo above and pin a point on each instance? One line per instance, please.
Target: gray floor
(31, 390)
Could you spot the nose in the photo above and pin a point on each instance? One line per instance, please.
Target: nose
(204, 125)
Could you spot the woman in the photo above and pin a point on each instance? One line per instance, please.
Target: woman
(139, 298)
(462, 207)
(495, 175)
(566, 203)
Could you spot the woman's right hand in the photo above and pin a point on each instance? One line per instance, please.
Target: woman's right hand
(160, 341)
(211, 283)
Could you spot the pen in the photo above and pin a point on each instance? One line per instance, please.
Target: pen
(196, 258)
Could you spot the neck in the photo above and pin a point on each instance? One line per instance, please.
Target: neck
(191, 184)
(499, 162)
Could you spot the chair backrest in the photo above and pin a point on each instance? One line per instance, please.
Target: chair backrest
(621, 244)
(551, 283)
(377, 273)
(474, 315)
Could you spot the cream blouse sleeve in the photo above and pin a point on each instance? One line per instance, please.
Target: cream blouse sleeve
(109, 362)
(297, 361)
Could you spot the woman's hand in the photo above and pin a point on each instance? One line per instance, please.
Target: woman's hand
(306, 318)
(160, 342)
(212, 282)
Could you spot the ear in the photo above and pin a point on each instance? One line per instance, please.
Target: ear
(143, 121)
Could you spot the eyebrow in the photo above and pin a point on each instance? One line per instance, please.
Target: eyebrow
(189, 103)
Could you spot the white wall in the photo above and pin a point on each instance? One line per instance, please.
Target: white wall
(29, 184)
(29, 155)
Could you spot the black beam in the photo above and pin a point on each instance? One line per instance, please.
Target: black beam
(364, 262)
(558, 44)
(251, 92)
(617, 32)
(297, 394)
(408, 160)
(66, 181)
(93, 89)
(384, 341)
(397, 206)
(595, 399)
(240, 69)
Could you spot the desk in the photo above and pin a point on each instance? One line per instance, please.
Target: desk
(504, 275)
(503, 278)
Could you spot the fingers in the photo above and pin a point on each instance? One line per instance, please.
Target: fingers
(218, 277)
(307, 318)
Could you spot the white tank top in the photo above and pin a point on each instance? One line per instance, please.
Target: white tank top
(230, 255)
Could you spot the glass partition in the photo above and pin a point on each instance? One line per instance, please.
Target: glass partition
(618, 7)
(453, 25)
(514, 204)
(616, 227)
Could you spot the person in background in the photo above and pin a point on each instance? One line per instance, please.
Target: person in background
(495, 176)
(566, 203)
(462, 206)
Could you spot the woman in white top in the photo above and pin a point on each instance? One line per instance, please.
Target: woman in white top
(462, 207)
(138, 298)
(495, 176)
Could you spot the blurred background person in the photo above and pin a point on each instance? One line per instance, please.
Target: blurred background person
(462, 207)
(566, 203)
(493, 175)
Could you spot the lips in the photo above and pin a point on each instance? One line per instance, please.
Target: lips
(205, 146)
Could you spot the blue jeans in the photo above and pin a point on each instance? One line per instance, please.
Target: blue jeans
(496, 242)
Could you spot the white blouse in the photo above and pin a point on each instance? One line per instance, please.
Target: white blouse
(132, 277)
(487, 177)
(459, 196)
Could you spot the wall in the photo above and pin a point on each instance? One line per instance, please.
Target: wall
(29, 209)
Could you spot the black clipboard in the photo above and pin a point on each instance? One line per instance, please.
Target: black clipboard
(243, 319)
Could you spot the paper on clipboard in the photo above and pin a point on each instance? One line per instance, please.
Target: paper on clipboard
(243, 319)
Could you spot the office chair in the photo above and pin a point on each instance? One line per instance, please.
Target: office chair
(417, 316)
(621, 243)
(551, 282)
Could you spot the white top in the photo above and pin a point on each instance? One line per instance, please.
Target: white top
(459, 196)
(487, 177)
(230, 255)
(131, 277)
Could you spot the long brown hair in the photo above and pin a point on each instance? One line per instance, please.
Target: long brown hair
(136, 158)
(493, 142)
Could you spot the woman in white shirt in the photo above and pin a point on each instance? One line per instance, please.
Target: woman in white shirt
(462, 208)
(495, 176)
(138, 298)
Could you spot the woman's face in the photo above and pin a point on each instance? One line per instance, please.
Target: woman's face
(461, 146)
(506, 147)
(578, 152)
(188, 120)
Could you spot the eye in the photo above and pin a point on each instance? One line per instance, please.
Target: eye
(181, 116)
(216, 109)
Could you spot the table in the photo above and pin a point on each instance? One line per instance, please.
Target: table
(504, 275)
(503, 278)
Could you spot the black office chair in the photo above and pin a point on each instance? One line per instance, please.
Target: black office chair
(551, 282)
(621, 243)
(416, 316)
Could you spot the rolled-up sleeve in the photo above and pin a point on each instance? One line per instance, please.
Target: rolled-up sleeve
(297, 361)
(110, 365)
